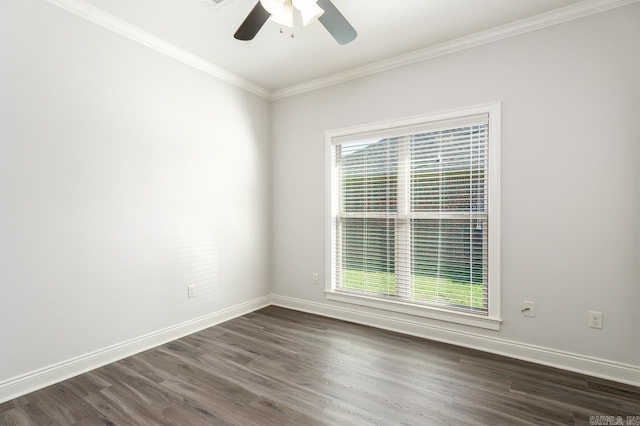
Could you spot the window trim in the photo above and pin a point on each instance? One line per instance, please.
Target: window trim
(493, 318)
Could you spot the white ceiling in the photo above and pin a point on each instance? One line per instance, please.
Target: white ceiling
(386, 29)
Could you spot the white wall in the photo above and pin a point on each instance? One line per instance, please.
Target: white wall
(124, 176)
(570, 176)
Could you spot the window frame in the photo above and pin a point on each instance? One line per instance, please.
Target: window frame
(492, 319)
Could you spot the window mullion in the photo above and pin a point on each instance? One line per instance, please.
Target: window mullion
(338, 271)
(403, 223)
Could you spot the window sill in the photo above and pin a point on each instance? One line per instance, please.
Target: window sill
(416, 310)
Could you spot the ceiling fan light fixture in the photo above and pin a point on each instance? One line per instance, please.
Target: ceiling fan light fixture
(281, 11)
(309, 10)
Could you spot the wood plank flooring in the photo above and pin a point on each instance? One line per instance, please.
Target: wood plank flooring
(277, 366)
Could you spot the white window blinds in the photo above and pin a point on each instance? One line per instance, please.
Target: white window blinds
(411, 220)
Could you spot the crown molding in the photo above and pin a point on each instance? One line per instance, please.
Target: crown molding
(534, 23)
(110, 22)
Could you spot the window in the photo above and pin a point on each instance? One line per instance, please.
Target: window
(413, 217)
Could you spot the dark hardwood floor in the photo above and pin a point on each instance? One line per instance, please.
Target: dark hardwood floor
(277, 366)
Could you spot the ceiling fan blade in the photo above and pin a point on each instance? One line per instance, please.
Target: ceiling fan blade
(336, 23)
(252, 23)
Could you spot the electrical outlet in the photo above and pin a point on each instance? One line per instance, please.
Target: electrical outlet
(191, 291)
(595, 319)
(315, 278)
(528, 309)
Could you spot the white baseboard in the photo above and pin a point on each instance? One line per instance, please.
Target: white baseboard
(21, 385)
(38, 379)
(596, 367)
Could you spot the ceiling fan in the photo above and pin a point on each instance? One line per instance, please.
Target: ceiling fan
(281, 12)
